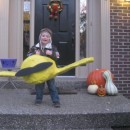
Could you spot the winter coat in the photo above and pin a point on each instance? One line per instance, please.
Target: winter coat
(49, 46)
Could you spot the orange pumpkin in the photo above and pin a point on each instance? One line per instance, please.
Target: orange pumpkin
(101, 91)
(96, 77)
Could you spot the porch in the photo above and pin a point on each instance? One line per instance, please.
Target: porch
(80, 110)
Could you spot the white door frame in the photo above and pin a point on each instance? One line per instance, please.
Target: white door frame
(98, 38)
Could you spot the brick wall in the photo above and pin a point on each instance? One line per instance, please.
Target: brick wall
(120, 44)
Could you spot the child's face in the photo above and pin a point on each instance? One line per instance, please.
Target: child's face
(45, 38)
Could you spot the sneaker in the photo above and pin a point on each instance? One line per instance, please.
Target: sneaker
(38, 102)
(56, 104)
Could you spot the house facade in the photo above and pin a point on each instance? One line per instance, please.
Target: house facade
(120, 44)
(107, 34)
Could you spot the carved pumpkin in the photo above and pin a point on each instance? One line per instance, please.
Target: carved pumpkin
(96, 77)
(101, 91)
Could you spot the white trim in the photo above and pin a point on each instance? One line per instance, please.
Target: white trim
(77, 37)
(4, 28)
(11, 29)
(16, 31)
(105, 33)
(98, 36)
(32, 19)
(77, 30)
(100, 53)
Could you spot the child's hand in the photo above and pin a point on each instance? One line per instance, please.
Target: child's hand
(57, 55)
(48, 52)
(37, 52)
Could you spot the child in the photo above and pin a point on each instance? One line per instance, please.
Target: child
(45, 48)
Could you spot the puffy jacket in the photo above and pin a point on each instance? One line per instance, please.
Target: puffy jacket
(42, 51)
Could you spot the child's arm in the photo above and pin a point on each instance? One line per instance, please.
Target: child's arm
(33, 50)
(52, 53)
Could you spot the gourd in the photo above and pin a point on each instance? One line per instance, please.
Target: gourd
(92, 89)
(97, 78)
(111, 89)
(101, 91)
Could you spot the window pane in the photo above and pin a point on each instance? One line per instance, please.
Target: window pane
(26, 28)
(83, 27)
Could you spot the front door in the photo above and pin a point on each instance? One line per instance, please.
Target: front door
(63, 30)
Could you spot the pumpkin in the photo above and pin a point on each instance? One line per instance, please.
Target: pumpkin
(92, 89)
(110, 87)
(101, 91)
(96, 77)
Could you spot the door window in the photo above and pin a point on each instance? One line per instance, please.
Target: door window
(26, 28)
(83, 28)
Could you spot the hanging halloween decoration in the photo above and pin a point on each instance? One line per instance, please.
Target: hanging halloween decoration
(55, 7)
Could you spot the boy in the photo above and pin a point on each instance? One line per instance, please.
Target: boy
(45, 48)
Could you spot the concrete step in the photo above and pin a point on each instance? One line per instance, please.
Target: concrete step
(62, 82)
(80, 111)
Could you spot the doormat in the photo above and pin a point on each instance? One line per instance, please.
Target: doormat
(60, 91)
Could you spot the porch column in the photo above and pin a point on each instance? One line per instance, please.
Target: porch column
(4, 27)
(16, 30)
(105, 34)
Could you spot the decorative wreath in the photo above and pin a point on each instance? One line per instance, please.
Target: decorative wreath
(55, 7)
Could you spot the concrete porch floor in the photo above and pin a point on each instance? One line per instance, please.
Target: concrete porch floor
(79, 110)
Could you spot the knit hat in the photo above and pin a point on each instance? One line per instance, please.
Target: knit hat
(46, 30)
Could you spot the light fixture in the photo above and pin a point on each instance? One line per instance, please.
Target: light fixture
(127, 0)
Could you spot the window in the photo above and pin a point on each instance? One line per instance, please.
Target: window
(26, 29)
(83, 27)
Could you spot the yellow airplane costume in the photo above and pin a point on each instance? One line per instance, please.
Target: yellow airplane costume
(37, 69)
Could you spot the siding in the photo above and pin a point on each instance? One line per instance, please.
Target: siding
(120, 44)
